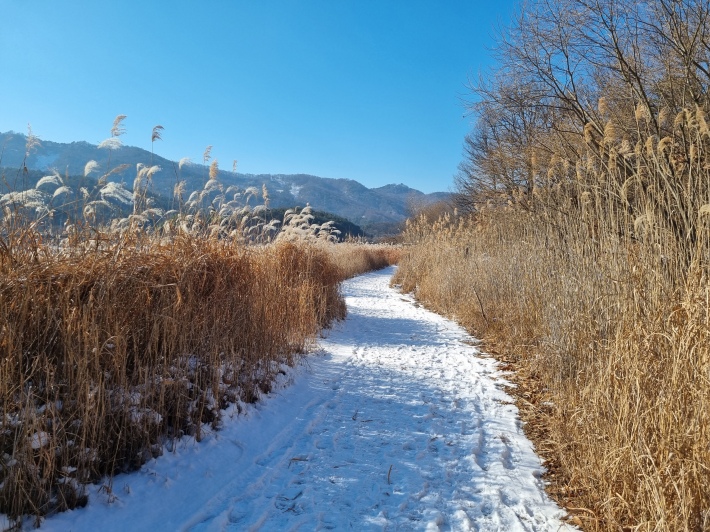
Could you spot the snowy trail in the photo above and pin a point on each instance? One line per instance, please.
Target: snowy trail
(395, 424)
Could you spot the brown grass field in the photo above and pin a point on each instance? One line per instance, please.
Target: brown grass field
(116, 339)
(596, 288)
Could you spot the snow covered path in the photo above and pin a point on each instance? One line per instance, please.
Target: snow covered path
(395, 423)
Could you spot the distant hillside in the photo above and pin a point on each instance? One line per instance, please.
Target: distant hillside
(377, 210)
(346, 227)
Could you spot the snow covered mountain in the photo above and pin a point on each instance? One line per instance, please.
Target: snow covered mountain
(377, 210)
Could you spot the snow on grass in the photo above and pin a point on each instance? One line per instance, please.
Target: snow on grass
(39, 440)
(396, 423)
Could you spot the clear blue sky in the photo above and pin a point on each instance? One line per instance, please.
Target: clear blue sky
(369, 90)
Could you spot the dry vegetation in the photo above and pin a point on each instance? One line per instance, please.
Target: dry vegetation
(620, 348)
(120, 336)
(354, 258)
(584, 253)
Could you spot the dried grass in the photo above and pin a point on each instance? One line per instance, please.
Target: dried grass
(354, 258)
(106, 354)
(120, 335)
(598, 289)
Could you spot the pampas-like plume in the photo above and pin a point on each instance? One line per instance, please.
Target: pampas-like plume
(116, 192)
(250, 192)
(117, 130)
(54, 179)
(90, 167)
(625, 149)
(25, 198)
(60, 191)
(679, 119)
(642, 113)
(702, 122)
(206, 156)
(651, 145)
(152, 171)
(111, 143)
(117, 170)
(663, 116)
(211, 185)
(234, 166)
(664, 144)
(179, 190)
(32, 141)
(265, 195)
(183, 162)
(214, 169)
(588, 132)
(603, 107)
(153, 212)
(157, 133)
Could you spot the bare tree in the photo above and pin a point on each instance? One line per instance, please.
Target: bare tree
(579, 74)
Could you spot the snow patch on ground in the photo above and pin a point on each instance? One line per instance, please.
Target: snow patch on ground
(395, 423)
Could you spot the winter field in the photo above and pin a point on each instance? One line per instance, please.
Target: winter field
(395, 422)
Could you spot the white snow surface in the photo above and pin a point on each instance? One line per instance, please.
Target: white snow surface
(396, 422)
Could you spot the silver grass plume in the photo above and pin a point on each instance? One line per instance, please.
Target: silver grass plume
(32, 142)
(111, 143)
(206, 156)
(90, 167)
(54, 179)
(61, 190)
(157, 133)
(117, 130)
(116, 192)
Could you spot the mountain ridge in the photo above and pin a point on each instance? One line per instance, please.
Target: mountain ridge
(378, 210)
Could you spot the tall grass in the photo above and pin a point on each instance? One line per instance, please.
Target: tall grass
(354, 258)
(597, 284)
(108, 353)
(120, 335)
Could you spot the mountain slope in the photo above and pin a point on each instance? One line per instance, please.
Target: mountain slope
(374, 209)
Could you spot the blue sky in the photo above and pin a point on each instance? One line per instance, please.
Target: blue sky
(369, 90)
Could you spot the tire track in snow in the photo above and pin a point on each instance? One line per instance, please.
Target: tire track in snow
(397, 423)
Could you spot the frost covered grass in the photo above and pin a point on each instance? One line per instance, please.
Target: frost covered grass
(122, 331)
(597, 286)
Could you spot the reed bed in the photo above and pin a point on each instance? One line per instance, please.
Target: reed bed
(124, 327)
(108, 354)
(354, 258)
(596, 286)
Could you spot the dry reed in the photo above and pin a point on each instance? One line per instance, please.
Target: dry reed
(119, 335)
(597, 284)
(107, 354)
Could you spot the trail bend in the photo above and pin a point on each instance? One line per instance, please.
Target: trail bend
(396, 422)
